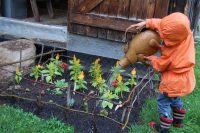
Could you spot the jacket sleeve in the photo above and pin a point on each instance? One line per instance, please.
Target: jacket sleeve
(153, 23)
(160, 64)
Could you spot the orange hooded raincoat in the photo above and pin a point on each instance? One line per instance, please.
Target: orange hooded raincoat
(177, 58)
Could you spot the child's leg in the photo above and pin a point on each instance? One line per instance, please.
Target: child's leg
(176, 102)
(164, 106)
(164, 110)
(178, 111)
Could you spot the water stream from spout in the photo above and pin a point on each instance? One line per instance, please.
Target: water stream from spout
(112, 75)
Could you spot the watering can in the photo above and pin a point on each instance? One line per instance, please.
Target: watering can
(145, 42)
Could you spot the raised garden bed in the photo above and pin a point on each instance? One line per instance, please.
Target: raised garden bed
(82, 108)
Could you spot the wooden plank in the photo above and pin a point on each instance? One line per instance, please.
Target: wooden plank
(103, 11)
(115, 35)
(50, 9)
(161, 9)
(91, 31)
(104, 6)
(87, 5)
(71, 5)
(113, 8)
(123, 10)
(142, 9)
(177, 5)
(135, 7)
(112, 12)
(102, 22)
(102, 33)
(78, 29)
(150, 8)
(69, 13)
(35, 10)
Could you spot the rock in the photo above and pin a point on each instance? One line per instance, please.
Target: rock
(10, 88)
(10, 52)
(27, 89)
(17, 87)
(42, 92)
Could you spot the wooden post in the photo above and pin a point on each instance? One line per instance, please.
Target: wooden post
(35, 10)
(50, 9)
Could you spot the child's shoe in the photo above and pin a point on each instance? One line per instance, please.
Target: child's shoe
(164, 125)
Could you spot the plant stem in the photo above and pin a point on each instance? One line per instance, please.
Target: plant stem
(74, 87)
(68, 96)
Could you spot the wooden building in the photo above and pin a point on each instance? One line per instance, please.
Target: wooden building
(87, 26)
(108, 19)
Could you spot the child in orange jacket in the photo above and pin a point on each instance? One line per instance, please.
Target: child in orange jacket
(176, 65)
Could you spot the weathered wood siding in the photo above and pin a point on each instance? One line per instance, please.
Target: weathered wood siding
(108, 19)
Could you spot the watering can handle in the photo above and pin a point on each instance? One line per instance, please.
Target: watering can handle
(127, 29)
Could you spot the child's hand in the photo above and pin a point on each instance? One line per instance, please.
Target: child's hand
(141, 58)
(138, 26)
(144, 59)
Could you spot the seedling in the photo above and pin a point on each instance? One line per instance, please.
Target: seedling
(58, 63)
(36, 71)
(50, 72)
(77, 75)
(120, 86)
(18, 75)
(60, 86)
(108, 96)
(96, 74)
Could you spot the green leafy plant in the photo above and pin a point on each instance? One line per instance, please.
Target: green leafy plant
(80, 82)
(50, 72)
(108, 97)
(96, 74)
(60, 86)
(36, 71)
(75, 68)
(77, 75)
(120, 86)
(132, 79)
(116, 70)
(58, 63)
(18, 75)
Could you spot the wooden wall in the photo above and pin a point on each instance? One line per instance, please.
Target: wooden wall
(108, 19)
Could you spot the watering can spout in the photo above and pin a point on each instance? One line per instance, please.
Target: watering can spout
(124, 62)
(146, 43)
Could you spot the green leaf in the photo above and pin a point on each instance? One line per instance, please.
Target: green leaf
(110, 105)
(57, 73)
(126, 89)
(104, 112)
(126, 83)
(70, 61)
(117, 90)
(94, 84)
(48, 78)
(45, 71)
(104, 104)
(72, 72)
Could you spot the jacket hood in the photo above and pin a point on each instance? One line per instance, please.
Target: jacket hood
(174, 29)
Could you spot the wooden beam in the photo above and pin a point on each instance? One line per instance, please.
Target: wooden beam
(88, 5)
(102, 22)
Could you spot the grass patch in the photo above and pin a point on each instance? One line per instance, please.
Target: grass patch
(191, 103)
(16, 121)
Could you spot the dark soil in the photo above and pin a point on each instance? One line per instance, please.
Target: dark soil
(83, 123)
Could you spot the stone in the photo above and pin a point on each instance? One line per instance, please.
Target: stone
(10, 52)
(10, 88)
(17, 87)
(27, 89)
